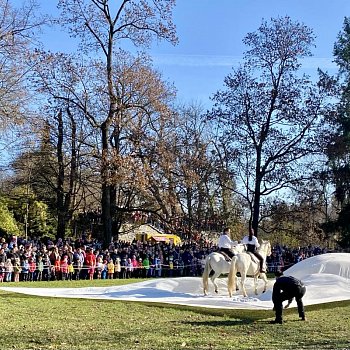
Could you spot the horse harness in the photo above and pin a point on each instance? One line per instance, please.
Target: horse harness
(227, 258)
(253, 257)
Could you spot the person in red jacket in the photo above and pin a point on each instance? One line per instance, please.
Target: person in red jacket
(32, 268)
(135, 266)
(57, 269)
(91, 271)
(90, 261)
(64, 268)
(139, 268)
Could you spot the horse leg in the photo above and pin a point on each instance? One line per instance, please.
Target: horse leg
(256, 284)
(213, 278)
(264, 278)
(243, 278)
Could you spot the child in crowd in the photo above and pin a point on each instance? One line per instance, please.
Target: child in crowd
(145, 266)
(17, 270)
(8, 270)
(99, 267)
(2, 272)
(64, 268)
(56, 271)
(40, 268)
(117, 268)
(104, 270)
(110, 269)
(47, 268)
(70, 270)
(91, 271)
(25, 270)
(32, 269)
(171, 266)
(139, 268)
(129, 268)
(135, 266)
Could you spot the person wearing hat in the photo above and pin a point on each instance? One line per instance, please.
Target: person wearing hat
(287, 288)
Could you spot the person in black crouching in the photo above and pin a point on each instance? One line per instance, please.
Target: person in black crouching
(287, 288)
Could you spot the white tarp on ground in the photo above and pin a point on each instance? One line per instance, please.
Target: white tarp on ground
(327, 278)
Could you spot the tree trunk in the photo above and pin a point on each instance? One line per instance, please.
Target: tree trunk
(64, 212)
(256, 207)
(70, 195)
(189, 210)
(61, 220)
(257, 192)
(106, 190)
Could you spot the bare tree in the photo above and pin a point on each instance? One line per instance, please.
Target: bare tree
(269, 115)
(18, 32)
(102, 25)
(133, 133)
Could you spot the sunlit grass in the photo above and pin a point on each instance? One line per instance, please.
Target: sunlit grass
(29, 322)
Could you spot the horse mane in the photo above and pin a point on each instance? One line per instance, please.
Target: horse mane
(265, 246)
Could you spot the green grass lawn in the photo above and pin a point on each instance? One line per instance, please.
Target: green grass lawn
(29, 322)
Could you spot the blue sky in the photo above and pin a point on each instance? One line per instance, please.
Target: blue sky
(211, 33)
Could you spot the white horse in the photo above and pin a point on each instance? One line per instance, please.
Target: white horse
(246, 266)
(216, 262)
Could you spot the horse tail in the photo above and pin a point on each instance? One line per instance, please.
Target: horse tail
(231, 283)
(205, 276)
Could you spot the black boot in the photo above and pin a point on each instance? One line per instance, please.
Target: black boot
(276, 321)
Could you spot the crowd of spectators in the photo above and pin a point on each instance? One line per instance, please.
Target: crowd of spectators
(36, 260)
(283, 257)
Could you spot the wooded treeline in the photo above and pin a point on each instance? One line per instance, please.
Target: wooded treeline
(95, 138)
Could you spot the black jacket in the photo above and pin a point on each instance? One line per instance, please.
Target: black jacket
(287, 288)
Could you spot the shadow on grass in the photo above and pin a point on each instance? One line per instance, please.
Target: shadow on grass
(12, 295)
(245, 315)
(221, 323)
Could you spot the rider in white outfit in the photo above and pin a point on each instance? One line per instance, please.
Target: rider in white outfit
(226, 244)
(252, 244)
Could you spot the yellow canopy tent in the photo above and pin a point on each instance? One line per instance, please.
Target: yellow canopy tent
(158, 237)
